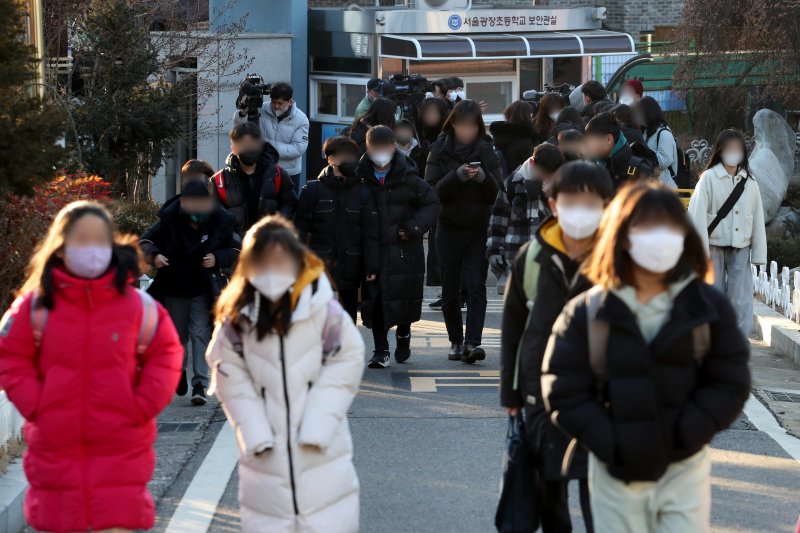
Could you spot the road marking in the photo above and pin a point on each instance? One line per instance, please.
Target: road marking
(432, 383)
(764, 421)
(202, 496)
(484, 373)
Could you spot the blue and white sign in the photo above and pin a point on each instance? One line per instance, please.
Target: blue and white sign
(454, 22)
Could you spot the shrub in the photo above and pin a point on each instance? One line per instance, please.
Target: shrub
(135, 217)
(785, 252)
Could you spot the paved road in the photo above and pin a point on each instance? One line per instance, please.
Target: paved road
(428, 443)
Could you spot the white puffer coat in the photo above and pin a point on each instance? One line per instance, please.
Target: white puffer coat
(280, 397)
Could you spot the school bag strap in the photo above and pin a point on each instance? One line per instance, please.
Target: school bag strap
(723, 212)
(219, 182)
(332, 330)
(38, 318)
(530, 284)
(278, 178)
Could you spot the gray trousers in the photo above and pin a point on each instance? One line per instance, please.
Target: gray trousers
(192, 319)
(732, 276)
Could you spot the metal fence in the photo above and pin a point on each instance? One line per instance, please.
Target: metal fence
(778, 288)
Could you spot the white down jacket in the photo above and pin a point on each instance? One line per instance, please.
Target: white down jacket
(281, 398)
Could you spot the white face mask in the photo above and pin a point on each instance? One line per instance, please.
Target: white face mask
(657, 250)
(381, 159)
(272, 286)
(626, 99)
(578, 221)
(732, 158)
(554, 116)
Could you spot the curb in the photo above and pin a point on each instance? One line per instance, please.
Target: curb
(12, 492)
(778, 332)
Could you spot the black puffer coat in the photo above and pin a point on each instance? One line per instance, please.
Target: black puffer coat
(233, 188)
(515, 142)
(359, 136)
(659, 407)
(527, 332)
(336, 217)
(403, 201)
(465, 205)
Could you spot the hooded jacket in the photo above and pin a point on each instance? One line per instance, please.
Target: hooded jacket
(404, 201)
(90, 403)
(288, 134)
(526, 330)
(515, 142)
(284, 401)
(414, 153)
(267, 200)
(658, 405)
(516, 214)
(338, 220)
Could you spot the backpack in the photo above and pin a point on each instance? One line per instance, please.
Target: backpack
(682, 178)
(147, 329)
(643, 163)
(530, 285)
(222, 189)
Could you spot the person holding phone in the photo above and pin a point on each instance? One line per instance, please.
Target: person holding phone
(465, 171)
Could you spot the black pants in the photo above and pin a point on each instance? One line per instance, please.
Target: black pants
(434, 273)
(463, 252)
(349, 300)
(554, 506)
(379, 328)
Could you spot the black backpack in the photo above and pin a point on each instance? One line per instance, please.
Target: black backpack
(682, 178)
(643, 163)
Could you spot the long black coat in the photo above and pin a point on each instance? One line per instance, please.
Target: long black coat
(465, 205)
(659, 407)
(403, 201)
(528, 331)
(185, 247)
(338, 220)
(515, 142)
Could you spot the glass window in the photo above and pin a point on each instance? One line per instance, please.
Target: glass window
(497, 94)
(351, 96)
(326, 97)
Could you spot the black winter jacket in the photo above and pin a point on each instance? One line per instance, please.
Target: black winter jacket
(465, 205)
(526, 331)
(621, 168)
(659, 407)
(359, 136)
(184, 246)
(233, 188)
(403, 201)
(515, 142)
(336, 217)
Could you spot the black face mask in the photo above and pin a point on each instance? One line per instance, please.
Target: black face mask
(347, 168)
(250, 157)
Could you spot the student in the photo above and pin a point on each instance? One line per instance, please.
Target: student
(647, 367)
(285, 388)
(570, 144)
(605, 143)
(628, 124)
(89, 363)
(659, 139)
(518, 212)
(252, 184)
(595, 98)
(464, 169)
(337, 219)
(568, 119)
(407, 208)
(545, 276)
(734, 237)
(191, 243)
(407, 143)
(514, 136)
(381, 112)
(196, 170)
(550, 108)
(631, 92)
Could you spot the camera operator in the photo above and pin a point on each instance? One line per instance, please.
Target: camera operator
(283, 126)
(373, 92)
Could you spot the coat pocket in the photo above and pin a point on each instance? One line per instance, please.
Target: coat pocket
(747, 230)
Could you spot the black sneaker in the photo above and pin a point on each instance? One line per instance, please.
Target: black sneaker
(403, 350)
(456, 351)
(183, 385)
(437, 305)
(473, 353)
(198, 395)
(380, 359)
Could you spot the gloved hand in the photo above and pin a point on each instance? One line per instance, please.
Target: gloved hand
(497, 261)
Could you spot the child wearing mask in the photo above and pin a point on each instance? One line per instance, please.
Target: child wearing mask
(736, 236)
(407, 208)
(645, 368)
(193, 239)
(407, 144)
(520, 209)
(286, 364)
(545, 276)
(337, 219)
(89, 362)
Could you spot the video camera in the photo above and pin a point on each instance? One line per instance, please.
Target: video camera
(405, 91)
(254, 89)
(533, 97)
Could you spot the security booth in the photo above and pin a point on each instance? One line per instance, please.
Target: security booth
(499, 53)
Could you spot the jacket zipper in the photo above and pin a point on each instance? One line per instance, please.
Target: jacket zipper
(288, 426)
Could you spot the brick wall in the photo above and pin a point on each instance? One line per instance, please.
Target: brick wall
(631, 16)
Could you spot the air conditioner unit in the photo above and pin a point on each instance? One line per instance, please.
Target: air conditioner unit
(443, 5)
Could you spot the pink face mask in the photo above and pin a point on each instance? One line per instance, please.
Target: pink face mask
(88, 262)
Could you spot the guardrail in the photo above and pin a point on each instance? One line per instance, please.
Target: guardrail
(778, 288)
(10, 421)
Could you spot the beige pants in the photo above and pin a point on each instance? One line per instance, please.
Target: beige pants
(679, 502)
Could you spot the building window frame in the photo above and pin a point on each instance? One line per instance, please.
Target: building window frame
(314, 96)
